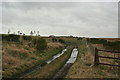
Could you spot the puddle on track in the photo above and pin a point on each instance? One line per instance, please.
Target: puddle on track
(56, 56)
(39, 66)
(73, 56)
(68, 64)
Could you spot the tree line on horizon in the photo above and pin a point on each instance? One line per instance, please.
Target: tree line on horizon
(20, 33)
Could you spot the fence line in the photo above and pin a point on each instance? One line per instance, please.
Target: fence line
(96, 58)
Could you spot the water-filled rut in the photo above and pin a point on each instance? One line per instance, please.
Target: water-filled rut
(40, 65)
(61, 73)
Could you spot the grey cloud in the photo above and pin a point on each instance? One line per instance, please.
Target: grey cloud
(62, 18)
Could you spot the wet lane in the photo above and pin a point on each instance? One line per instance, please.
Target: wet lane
(68, 64)
(56, 56)
(40, 65)
(73, 57)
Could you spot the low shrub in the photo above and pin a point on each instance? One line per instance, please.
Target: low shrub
(5, 37)
(11, 37)
(40, 44)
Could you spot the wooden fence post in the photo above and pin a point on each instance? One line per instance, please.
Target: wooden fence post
(96, 58)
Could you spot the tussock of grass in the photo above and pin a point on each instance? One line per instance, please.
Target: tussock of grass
(18, 53)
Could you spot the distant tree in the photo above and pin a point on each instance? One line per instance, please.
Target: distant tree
(34, 32)
(23, 34)
(14, 33)
(71, 36)
(18, 32)
(31, 33)
(38, 33)
(8, 31)
(13, 37)
(40, 44)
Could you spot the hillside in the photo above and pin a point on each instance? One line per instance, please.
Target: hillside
(19, 56)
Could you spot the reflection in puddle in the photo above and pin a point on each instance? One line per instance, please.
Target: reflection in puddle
(73, 56)
(56, 56)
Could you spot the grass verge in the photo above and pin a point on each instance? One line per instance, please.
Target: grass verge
(84, 66)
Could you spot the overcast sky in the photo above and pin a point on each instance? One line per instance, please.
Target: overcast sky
(85, 19)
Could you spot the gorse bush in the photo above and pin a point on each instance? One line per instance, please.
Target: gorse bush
(40, 44)
(11, 37)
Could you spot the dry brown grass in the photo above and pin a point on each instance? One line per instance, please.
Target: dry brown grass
(12, 54)
(106, 54)
(16, 55)
(84, 67)
(54, 45)
(9, 61)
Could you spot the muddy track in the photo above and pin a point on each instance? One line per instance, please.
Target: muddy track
(62, 72)
(36, 68)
